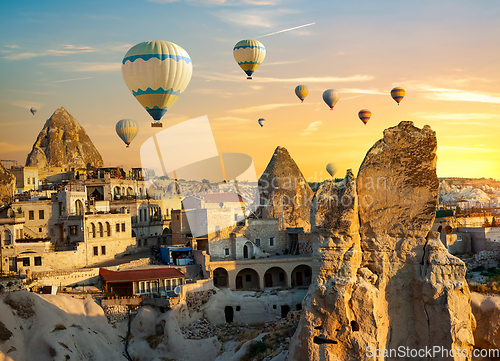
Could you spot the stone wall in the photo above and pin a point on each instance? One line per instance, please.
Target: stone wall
(486, 259)
(86, 276)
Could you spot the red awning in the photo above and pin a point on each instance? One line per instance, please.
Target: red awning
(140, 274)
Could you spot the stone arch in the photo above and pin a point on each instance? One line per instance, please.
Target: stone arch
(247, 279)
(117, 192)
(79, 207)
(108, 229)
(275, 277)
(221, 277)
(100, 229)
(92, 230)
(248, 250)
(301, 276)
(166, 230)
(130, 191)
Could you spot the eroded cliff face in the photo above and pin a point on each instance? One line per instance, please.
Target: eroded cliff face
(63, 143)
(384, 281)
(7, 185)
(285, 193)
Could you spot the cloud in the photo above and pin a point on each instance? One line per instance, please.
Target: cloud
(12, 46)
(247, 18)
(26, 104)
(232, 119)
(237, 78)
(86, 67)
(8, 147)
(454, 116)
(217, 92)
(258, 108)
(462, 96)
(468, 149)
(363, 91)
(67, 50)
(222, 2)
(311, 128)
(121, 48)
(61, 81)
(282, 31)
(23, 56)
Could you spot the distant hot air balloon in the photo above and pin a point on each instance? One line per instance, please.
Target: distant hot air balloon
(398, 94)
(331, 169)
(249, 54)
(364, 115)
(33, 110)
(301, 91)
(127, 129)
(261, 122)
(331, 97)
(157, 72)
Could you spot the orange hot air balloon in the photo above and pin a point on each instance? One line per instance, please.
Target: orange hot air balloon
(398, 94)
(364, 115)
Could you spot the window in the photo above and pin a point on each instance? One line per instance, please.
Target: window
(145, 242)
(39, 230)
(26, 262)
(248, 278)
(41, 214)
(73, 230)
(118, 227)
(142, 289)
(103, 249)
(96, 251)
(99, 226)
(282, 277)
(92, 230)
(257, 241)
(28, 180)
(34, 181)
(177, 217)
(227, 251)
(138, 242)
(123, 227)
(38, 261)
(271, 241)
(108, 230)
(31, 215)
(459, 238)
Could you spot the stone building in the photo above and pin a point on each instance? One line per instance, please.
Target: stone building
(26, 178)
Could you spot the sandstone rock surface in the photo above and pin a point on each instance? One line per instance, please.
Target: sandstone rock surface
(63, 143)
(486, 309)
(382, 279)
(7, 185)
(285, 193)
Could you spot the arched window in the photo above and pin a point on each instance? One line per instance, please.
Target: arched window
(92, 230)
(99, 225)
(108, 230)
(7, 238)
(79, 207)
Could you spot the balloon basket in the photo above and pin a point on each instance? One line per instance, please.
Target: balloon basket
(249, 78)
(156, 125)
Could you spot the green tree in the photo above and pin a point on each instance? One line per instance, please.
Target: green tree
(458, 210)
(493, 222)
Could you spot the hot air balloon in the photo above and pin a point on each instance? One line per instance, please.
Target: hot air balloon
(157, 72)
(331, 97)
(261, 122)
(331, 169)
(301, 91)
(33, 110)
(398, 94)
(127, 129)
(249, 54)
(364, 115)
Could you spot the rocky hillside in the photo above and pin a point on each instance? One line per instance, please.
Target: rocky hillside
(284, 192)
(7, 185)
(63, 143)
(383, 280)
(468, 189)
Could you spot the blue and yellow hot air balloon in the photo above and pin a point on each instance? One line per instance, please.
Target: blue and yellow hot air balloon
(364, 115)
(261, 122)
(33, 110)
(249, 54)
(127, 129)
(397, 94)
(157, 72)
(331, 97)
(301, 91)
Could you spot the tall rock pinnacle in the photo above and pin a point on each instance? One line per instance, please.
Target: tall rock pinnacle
(63, 143)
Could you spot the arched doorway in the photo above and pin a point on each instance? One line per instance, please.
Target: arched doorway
(275, 277)
(229, 313)
(248, 250)
(220, 277)
(301, 276)
(79, 207)
(247, 279)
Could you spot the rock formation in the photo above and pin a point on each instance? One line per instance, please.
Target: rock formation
(486, 309)
(285, 193)
(384, 282)
(63, 143)
(7, 185)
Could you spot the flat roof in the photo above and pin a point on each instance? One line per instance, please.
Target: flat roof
(140, 274)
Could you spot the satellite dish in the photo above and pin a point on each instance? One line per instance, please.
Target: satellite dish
(448, 229)
(177, 290)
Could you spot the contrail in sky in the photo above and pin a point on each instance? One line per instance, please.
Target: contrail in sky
(60, 81)
(282, 31)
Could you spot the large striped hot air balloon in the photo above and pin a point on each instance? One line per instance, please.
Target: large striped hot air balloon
(301, 91)
(331, 97)
(364, 115)
(157, 72)
(249, 54)
(397, 94)
(127, 129)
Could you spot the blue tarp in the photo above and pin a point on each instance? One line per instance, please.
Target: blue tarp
(165, 252)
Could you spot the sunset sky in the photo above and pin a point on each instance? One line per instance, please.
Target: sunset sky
(445, 53)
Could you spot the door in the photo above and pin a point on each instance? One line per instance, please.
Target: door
(13, 264)
(298, 276)
(268, 280)
(284, 310)
(239, 282)
(228, 312)
(245, 252)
